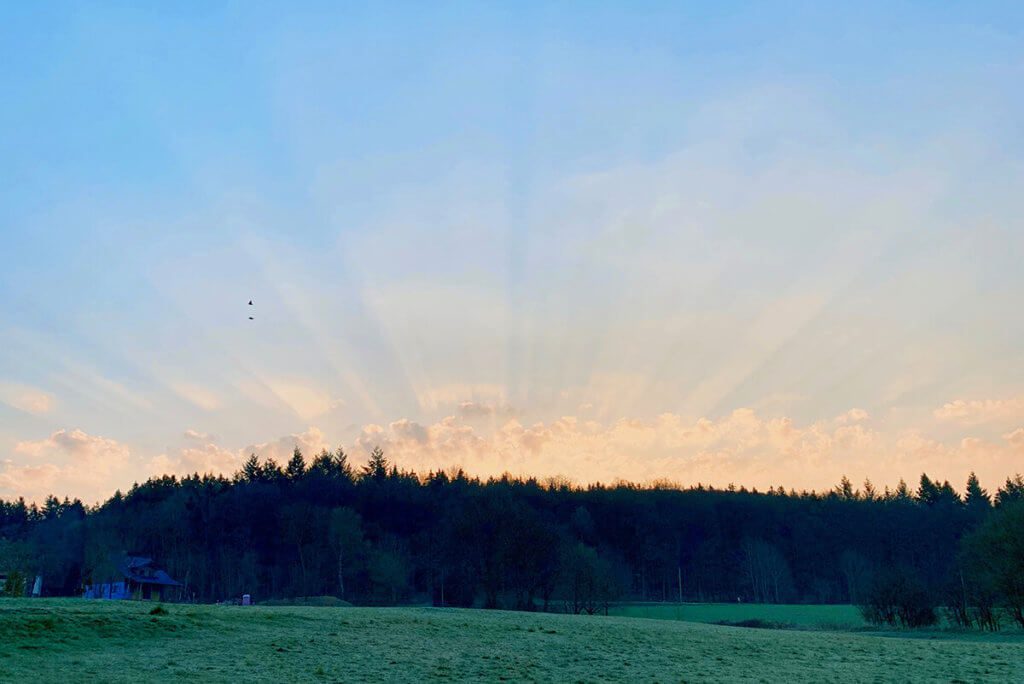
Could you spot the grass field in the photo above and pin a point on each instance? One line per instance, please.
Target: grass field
(802, 616)
(75, 640)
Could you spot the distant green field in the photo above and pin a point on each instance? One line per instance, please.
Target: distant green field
(86, 641)
(806, 616)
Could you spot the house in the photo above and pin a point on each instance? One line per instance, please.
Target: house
(141, 581)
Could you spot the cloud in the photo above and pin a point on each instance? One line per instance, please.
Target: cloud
(68, 461)
(310, 442)
(854, 415)
(483, 409)
(25, 398)
(407, 430)
(741, 447)
(196, 436)
(74, 463)
(978, 411)
(208, 458)
(217, 460)
(1016, 438)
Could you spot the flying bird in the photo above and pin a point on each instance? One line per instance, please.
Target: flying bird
(250, 318)
(250, 302)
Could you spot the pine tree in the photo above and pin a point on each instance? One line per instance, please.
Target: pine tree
(251, 471)
(271, 471)
(344, 467)
(947, 494)
(296, 467)
(976, 498)
(845, 489)
(870, 493)
(323, 464)
(1013, 490)
(377, 467)
(928, 492)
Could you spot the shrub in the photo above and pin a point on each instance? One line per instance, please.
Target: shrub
(994, 558)
(15, 585)
(896, 597)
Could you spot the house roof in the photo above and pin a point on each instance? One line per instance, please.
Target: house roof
(158, 577)
(141, 570)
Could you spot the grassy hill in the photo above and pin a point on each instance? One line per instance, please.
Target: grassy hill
(75, 640)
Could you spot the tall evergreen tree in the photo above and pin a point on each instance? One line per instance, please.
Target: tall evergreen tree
(1013, 490)
(271, 471)
(344, 467)
(251, 471)
(974, 494)
(976, 499)
(377, 466)
(947, 495)
(296, 467)
(323, 464)
(844, 490)
(928, 491)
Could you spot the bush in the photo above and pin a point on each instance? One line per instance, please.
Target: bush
(993, 556)
(15, 585)
(897, 598)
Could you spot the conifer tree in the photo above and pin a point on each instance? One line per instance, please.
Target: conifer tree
(845, 489)
(1013, 490)
(344, 467)
(296, 467)
(271, 471)
(928, 492)
(377, 466)
(251, 471)
(976, 498)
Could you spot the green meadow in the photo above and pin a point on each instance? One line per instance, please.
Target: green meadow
(76, 640)
(798, 616)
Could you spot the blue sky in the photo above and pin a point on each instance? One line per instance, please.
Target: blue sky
(751, 242)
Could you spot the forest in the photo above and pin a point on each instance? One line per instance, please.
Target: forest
(373, 534)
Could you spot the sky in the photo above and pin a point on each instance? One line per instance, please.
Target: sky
(752, 243)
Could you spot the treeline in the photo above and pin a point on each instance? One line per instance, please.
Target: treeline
(379, 535)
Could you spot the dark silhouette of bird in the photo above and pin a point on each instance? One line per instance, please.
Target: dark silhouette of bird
(250, 318)
(250, 302)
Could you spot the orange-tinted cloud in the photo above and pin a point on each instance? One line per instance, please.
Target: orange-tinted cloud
(67, 462)
(25, 398)
(978, 411)
(741, 447)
